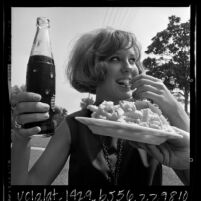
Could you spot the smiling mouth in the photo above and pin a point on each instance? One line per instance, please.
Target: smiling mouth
(126, 83)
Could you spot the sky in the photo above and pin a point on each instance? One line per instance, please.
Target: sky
(67, 24)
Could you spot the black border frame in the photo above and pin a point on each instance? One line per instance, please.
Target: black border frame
(8, 190)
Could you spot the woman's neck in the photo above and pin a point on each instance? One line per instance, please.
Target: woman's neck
(100, 99)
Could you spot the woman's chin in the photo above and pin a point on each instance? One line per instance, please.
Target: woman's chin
(116, 97)
(125, 96)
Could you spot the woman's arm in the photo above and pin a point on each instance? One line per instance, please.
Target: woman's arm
(29, 109)
(173, 153)
(51, 162)
(48, 166)
(20, 147)
(20, 153)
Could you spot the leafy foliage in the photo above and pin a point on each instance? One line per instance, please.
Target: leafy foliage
(169, 57)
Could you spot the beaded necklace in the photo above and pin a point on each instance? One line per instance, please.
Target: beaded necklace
(114, 172)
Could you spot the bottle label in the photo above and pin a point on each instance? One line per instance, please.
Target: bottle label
(52, 104)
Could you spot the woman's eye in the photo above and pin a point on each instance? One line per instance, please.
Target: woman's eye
(114, 58)
(132, 60)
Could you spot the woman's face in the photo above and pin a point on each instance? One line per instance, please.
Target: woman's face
(121, 69)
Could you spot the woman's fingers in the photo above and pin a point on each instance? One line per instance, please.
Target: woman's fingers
(142, 82)
(166, 153)
(180, 143)
(30, 131)
(159, 152)
(154, 152)
(148, 87)
(28, 107)
(25, 134)
(33, 117)
(181, 132)
(147, 77)
(149, 95)
(147, 83)
(145, 88)
(25, 97)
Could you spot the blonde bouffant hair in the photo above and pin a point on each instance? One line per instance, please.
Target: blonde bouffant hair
(86, 65)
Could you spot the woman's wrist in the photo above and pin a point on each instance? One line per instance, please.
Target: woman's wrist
(16, 136)
(180, 118)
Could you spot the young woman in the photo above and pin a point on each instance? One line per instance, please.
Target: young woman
(105, 62)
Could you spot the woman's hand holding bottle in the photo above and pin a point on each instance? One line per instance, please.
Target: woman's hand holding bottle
(27, 108)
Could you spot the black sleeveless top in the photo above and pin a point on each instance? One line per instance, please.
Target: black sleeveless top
(88, 165)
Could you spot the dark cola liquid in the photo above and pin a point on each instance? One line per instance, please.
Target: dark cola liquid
(40, 79)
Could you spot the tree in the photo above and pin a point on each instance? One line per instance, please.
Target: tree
(170, 56)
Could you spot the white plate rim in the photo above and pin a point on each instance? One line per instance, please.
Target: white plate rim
(110, 124)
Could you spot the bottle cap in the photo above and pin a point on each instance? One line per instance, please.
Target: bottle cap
(43, 22)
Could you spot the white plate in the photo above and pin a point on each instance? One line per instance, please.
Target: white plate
(127, 131)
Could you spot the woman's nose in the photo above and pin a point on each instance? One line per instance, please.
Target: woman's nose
(130, 68)
(127, 67)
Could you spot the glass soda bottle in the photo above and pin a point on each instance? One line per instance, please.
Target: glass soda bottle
(40, 77)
